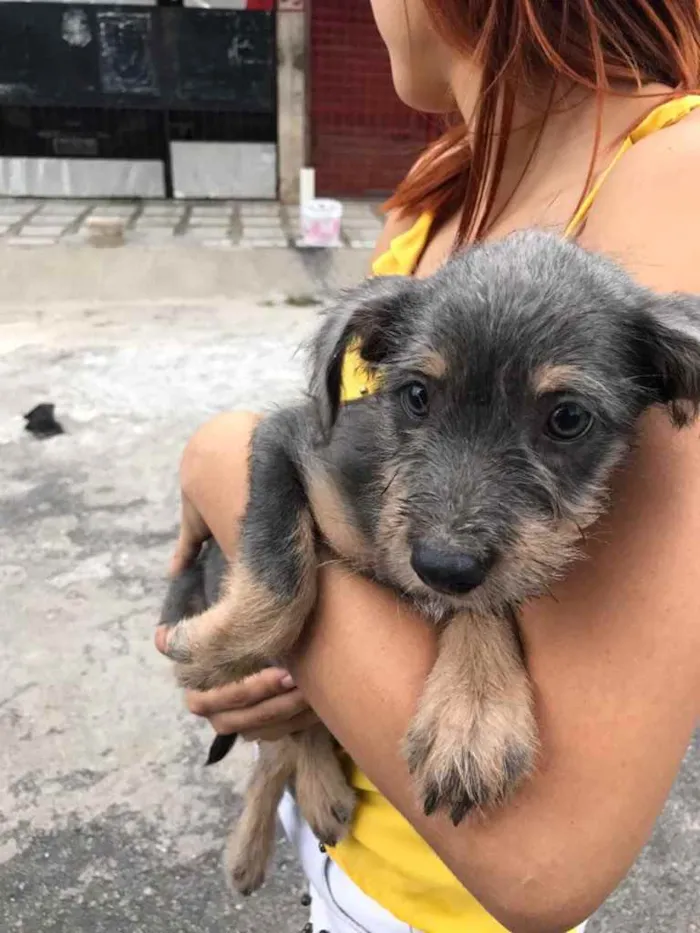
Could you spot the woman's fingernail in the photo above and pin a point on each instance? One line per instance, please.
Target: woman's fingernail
(287, 682)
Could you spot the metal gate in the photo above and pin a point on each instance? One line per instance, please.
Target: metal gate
(147, 99)
(363, 139)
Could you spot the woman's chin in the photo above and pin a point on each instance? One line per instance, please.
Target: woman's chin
(419, 93)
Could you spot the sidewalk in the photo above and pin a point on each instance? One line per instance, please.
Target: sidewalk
(173, 251)
(215, 225)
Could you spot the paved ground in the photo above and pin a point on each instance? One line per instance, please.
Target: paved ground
(108, 821)
(214, 224)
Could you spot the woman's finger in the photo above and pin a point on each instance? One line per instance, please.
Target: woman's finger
(272, 712)
(249, 692)
(274, 733)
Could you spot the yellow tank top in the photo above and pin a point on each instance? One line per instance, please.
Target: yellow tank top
(383, 854)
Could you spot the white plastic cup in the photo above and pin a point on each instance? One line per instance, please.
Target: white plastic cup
(320, 222)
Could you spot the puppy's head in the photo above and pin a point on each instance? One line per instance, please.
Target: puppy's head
(511, 383)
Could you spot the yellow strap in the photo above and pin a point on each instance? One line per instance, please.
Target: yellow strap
(666, 114)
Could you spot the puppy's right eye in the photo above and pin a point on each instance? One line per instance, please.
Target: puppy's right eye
(414, 398)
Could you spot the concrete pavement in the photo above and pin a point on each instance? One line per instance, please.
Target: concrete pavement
(108, 821)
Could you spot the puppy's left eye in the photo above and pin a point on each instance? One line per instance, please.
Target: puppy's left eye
(414, 398)
(568, 421)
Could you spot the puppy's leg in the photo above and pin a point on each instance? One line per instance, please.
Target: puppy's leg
(272, 585)
(251, 843)
(474, 736)
(323, 794)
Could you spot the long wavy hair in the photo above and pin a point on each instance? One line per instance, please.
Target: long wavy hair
(596, 44)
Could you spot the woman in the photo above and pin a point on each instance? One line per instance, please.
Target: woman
(554, 100)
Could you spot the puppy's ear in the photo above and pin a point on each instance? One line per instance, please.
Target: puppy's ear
(668, 339)
(375, 315)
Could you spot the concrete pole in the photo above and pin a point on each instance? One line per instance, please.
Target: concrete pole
(292, 116)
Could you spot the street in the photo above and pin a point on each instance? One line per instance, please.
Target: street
(108, 820)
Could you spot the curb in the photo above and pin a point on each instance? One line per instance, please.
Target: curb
(66, 273)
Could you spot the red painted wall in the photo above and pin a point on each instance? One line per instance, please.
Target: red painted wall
(363, 139)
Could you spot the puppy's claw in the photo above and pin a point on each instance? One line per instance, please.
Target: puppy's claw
(430, 801)
(460, 810)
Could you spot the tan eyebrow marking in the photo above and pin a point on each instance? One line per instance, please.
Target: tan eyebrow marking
(562, 377)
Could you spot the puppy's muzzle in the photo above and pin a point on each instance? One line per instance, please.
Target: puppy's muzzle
(452, 572)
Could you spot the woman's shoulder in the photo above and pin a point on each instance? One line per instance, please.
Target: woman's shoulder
(648, 210)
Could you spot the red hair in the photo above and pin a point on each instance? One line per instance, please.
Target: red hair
(528, 43)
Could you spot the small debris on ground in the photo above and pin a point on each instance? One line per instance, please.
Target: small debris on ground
(41, 421)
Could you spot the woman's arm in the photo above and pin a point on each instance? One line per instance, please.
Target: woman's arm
(615, 661)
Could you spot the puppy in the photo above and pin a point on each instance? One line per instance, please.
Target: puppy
(508, 386)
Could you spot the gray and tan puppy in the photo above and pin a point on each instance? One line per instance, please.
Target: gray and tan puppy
(510, 384)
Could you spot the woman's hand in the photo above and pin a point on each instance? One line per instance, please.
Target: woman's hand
(265, 707)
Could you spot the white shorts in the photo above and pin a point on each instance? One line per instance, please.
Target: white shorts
(337, 904)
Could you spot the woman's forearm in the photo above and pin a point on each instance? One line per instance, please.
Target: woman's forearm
(362, 667)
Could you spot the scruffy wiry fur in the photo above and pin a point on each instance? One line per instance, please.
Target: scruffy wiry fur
(453, 484)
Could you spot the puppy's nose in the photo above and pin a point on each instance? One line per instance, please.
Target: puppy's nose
(448, 571)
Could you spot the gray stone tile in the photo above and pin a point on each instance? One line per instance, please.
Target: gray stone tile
(41, 232)
(155, 223)
(263, 233)
(219, 207)
(71, 208)
(47, 220)
(163, 210)
(208, 232)
(247, 242)
(114, 210)
(258, 207)
(203, 220)
(13, 217)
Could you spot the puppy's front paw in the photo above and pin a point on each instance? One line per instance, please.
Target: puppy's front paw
(238, 636)
(465, 755)
(214, 665)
